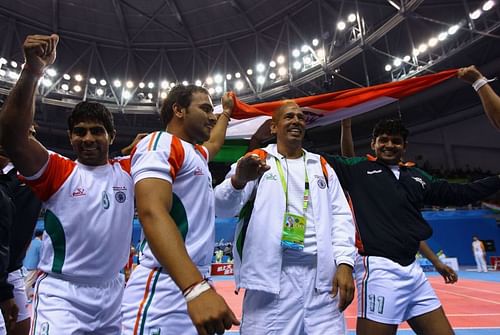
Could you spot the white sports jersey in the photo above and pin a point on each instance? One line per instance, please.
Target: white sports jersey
(477, 246)
(184, 165)
(88, 218)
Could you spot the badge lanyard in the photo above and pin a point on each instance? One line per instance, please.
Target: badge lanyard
(284, 184)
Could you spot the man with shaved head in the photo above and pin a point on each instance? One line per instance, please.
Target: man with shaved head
(294, 248)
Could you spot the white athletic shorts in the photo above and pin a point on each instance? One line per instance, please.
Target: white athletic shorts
(153, 305)
(16, 278)
(3, 331)
(63, 307)
(298, 309)
(391, 293)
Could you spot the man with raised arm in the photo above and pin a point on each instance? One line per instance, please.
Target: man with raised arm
(387, 195)
(169, 291)
(89, 207)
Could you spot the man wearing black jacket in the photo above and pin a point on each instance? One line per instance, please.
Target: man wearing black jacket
(25, 208)
(6, 214)
(387, 196)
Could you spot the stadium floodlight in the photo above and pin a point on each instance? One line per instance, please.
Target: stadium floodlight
(488, 5)
(476, 14)
(218, 78)
(453, 29)
(239, 85)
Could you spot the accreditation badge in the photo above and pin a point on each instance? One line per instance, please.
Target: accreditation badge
(294, 227)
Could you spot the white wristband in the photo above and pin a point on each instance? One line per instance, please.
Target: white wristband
(481, 82)
(197, 290)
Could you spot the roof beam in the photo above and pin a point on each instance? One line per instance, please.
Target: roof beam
(243, 72)
(181, 20)
(150, 19)
(239, 9)
(121, 21)
(157, 21)
(55, 15)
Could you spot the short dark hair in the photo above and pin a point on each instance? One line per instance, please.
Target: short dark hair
(181, 95)
(38, 232)
(390, 127)
(91, 111)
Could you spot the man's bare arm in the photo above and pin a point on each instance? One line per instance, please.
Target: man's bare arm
(208, 311)
(346, 142)
(218, 134)
(489, 99)
(16, 118)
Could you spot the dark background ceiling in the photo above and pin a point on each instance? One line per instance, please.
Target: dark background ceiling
(175, 41)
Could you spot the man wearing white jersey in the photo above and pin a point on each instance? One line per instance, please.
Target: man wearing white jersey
(88, 202)
(294, 249)
(168, 293)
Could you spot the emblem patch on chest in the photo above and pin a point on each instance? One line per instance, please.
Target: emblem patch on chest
(419, 180)
(120, 197)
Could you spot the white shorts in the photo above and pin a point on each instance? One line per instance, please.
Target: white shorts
(3, 331)
(16, 278)
(153, 304)
(298, 309)
(63, 307)
(391, 293)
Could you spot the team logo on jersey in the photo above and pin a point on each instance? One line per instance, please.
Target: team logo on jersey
(120, 197)
(373, 171)
(321, 182)
(271, 176)
(198, 172)
(105, 200)
(419, 180)
(78, 192)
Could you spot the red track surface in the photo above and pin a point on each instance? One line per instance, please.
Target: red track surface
(468, 303)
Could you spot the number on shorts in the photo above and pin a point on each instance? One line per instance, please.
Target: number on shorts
(378, 302)
(44, 329)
